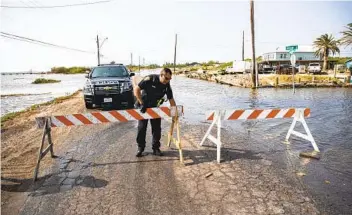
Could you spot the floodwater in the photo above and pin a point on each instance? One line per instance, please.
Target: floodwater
(35, 93)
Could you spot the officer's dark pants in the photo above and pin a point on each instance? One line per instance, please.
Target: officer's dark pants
(156, 132)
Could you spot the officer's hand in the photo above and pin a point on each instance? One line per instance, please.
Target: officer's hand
(137, 105)
(143, 108)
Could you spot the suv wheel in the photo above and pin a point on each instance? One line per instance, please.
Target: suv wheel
(89, 105)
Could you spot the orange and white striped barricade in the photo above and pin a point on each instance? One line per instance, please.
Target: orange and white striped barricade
(298, 115)
(91, 118)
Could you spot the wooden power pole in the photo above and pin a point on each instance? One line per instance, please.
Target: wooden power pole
(243, 46)
(175, 53)
(254, 79)
(98, 47)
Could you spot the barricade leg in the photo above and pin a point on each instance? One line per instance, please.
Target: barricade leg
(291, 129)
(299, 116)
(314, 144)
(209, 129)
(179, 145)
(41, 154)
(177, 141)
(219, 140)
(215, 140)
(169, 135)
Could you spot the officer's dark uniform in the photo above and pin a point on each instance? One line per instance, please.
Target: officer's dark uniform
(152, 92)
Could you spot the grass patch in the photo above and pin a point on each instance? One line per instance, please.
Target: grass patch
(13, 95)
(45, 81)
(70, 70)
(58, 100)
(20, 94)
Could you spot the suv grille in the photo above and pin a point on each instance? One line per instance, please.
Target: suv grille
(107, 89)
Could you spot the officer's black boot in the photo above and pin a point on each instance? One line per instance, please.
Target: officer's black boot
(157, 152)
(139, 152)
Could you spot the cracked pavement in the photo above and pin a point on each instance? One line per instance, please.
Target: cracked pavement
(98, 173)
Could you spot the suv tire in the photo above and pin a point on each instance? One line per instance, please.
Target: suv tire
(89, 105)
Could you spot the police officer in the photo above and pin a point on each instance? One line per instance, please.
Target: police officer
(153, 88)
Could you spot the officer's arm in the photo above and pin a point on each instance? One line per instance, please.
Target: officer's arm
(137, 94)
(170, 95)
(172, 102)
(141, 86)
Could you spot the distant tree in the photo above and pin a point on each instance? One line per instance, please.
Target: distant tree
(211, 62)
(347, 36)
(339, 60)
(326, 44)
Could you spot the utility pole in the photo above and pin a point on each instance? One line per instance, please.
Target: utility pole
(143, 62)
(175, 53)
(98, 47)
(254, 78)
(131, 59)
(243, 46)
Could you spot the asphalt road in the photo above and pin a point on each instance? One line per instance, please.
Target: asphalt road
(99, 174)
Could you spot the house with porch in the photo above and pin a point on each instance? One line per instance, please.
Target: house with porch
(304, 56)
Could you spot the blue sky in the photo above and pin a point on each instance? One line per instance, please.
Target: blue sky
(207, 30)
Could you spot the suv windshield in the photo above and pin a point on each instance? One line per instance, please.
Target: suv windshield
(113, 71)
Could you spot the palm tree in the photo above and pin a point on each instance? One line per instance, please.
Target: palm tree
(347, 36)
(326, 44)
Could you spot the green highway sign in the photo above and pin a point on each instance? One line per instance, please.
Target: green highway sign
(292, 49)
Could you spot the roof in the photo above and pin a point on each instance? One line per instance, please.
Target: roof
(115, 64)
(301, 48)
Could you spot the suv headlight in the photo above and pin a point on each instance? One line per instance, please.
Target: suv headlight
(88, 89)
(126, 86)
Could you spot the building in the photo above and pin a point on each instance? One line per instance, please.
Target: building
(304, 56)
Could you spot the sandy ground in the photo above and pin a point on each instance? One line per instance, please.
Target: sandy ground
(21, 139)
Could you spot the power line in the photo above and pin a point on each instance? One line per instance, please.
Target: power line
(38, 42)
(20, 40)
(56, 6)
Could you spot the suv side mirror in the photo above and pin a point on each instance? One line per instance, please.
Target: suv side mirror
(87, 76)
(132, 74)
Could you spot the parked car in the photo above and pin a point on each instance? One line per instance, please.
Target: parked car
(314, 68)
(109, 84)
(285, 69)
(267, 69)
(340, 68)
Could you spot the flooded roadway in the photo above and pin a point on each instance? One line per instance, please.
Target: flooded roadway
(330, 178)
